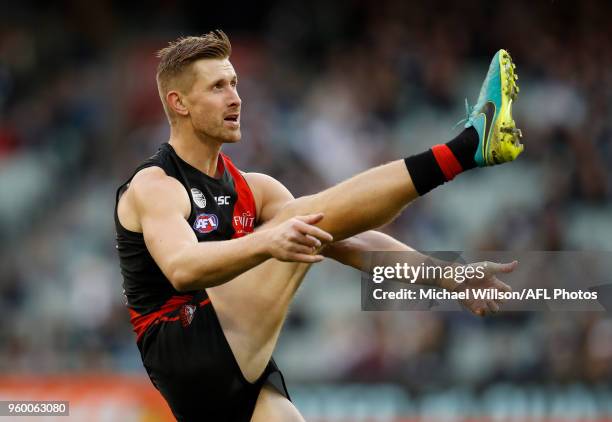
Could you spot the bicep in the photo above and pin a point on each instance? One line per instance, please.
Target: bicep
(270, 195)
(162, 204)
(165, 234)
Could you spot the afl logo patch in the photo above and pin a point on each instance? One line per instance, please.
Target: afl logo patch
(206, 223)
(198, 197)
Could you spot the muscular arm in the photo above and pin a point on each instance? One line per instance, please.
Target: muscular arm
(273, 199)
(353, 251)
(159, 207)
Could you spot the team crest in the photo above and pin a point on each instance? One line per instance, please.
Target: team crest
(198, 197)
(186, 314)
(206, 223)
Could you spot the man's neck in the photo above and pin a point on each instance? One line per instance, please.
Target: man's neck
(203, 154)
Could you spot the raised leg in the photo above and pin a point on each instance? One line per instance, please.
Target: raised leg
(252, 307)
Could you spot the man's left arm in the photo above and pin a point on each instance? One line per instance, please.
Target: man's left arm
(270, 196)
(353, 252)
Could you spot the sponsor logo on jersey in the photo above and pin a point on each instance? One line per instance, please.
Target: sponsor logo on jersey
(186, 314)
(198, 197)
(244, 223)
(222, 200)
(206, 223)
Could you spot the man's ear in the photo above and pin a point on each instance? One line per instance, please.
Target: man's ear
(175, 103)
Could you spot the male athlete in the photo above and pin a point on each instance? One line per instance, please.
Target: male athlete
(212, 257)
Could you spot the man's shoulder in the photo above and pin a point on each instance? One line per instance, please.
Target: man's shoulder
(257, 177)
(151, 185)
(149, 174)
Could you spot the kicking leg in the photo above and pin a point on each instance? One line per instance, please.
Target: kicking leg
(252, 307)
(375, 197)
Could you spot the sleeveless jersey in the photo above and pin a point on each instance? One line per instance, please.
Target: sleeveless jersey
(221, 209)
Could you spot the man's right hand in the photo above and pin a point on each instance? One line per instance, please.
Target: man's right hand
(297, 239)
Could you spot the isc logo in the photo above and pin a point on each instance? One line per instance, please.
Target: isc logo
(206, 223)
(222, 200)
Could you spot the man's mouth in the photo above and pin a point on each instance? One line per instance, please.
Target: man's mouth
(231, 117)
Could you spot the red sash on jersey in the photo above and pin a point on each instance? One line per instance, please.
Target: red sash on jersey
(142, 322)
(244, 216)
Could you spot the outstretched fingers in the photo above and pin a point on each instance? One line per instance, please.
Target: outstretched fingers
(495, 267)
(486, 308)
(493, 306)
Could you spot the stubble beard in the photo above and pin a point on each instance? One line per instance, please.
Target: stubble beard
(220, 134)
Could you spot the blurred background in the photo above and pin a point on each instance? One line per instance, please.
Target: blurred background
(328, 89)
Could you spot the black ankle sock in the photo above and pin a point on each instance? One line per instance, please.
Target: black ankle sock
(464, 148)
(442, 163)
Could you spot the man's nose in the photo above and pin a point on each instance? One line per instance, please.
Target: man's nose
(235, 100)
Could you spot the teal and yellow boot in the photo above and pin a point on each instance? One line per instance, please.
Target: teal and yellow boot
(492, 114)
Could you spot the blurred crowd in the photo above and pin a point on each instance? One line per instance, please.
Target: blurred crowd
(328, 89)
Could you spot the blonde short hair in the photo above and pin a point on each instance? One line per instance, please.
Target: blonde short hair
(176, 59)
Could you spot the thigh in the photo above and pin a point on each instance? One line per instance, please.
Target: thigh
(272, 406)
(251, 309)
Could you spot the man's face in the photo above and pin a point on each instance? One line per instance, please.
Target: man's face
(213, 102)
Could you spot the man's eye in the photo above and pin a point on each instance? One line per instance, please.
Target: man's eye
(234, 83)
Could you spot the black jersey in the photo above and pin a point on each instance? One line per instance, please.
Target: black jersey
(181, 342)
(221, 209)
